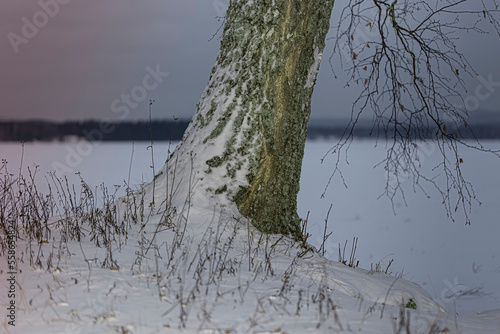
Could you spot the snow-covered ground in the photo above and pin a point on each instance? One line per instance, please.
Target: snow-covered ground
(446, 258)
(212, 278)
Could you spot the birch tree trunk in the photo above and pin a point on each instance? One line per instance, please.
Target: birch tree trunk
(246, 141)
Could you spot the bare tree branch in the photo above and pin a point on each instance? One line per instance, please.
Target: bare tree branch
(411, 75)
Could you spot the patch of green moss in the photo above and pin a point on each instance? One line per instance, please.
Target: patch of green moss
(221, 123)
(233, 168)
(210, 112)
(215, 162)
(411, 304)
(221, 190)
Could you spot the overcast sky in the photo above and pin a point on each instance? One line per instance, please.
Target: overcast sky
(84, 57)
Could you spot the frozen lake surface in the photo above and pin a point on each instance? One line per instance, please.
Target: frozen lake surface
(447, 259)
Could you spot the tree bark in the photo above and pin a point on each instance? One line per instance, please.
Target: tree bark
(246, 141)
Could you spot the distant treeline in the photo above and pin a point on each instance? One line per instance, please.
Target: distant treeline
(162, 130)
(475, 131)
(92, 130)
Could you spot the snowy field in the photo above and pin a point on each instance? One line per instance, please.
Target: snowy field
(458, 265)
(445, 258)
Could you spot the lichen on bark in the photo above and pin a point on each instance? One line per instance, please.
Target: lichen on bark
(290, 50)
(255, 109)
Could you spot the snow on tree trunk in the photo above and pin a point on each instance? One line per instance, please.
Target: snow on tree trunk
(246, 141)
